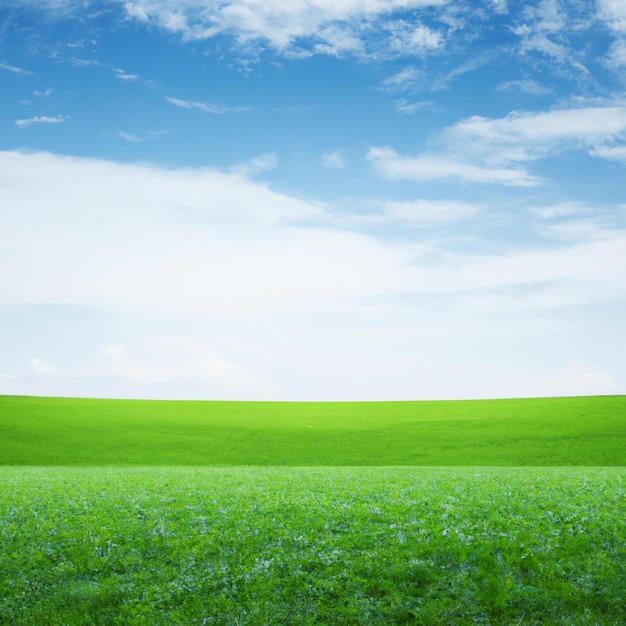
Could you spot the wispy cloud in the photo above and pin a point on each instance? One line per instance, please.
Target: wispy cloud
(122, 75)
(134, 138)
(485, 150)
(408, 39)
(207, 108)
(543, 25)
(14, 69)
(412, 80)
(408, 108)
(432, 211)
(128, 137)
(248, 169)
(40, 119)
(404, 80)
(525, 136)
(333, 160)
(532, 87)
(389, 164)
(575, 221)
(614, 153)
(563, 209)
(616, 55)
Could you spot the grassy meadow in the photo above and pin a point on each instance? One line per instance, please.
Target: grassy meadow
(588, 431)
(190, 513)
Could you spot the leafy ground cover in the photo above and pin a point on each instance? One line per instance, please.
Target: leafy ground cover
(588, 431)
(250, 546)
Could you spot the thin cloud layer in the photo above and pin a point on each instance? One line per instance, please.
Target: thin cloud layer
(207, 108)
(201, 250)
(386, 162)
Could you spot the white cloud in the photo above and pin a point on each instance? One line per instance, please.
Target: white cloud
(122, 75)
(337, 41)
(522, 136)
(575, 221)
(402, 81)
(333, 160)
(549, 28)
(613, 153)
(432, 211)
(616, 56)
(614, 12)
(546, 16)
(13, 69)
(500, 6)
(128, 137)
(531, 87)
(564, 209)
(578, 230)
(255, 166)
(190, 239)
(133, 138)
(208, 284)
(207, 108)
(413, 80)
(389, 164)
(412, 39)
(408, 108)
(485, 150)
(320, 26)
(40, 119)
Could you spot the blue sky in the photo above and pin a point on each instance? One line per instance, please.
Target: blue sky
(321, 200)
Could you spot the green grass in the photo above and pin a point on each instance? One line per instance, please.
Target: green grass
(585, 431)
(315, 546)
(111, 514)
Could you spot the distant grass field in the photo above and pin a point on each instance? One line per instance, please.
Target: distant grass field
(584, 431)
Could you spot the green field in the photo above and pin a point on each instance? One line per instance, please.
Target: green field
(192, 546)
(190, 513)
(587, 431)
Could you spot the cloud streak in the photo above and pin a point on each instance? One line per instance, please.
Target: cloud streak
(207, 108)
(40, 119)
(525, 136)
(389, 164)
(13, 69)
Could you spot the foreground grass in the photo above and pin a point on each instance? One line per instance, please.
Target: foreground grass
(251, 546)
(587, 431)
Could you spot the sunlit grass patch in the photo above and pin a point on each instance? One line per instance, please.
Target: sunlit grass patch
(588, 431)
